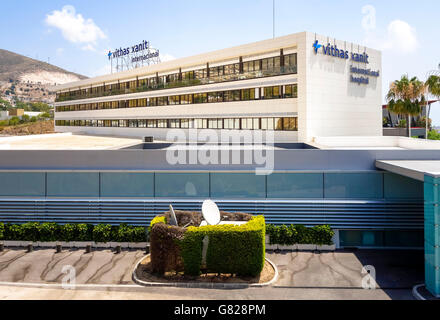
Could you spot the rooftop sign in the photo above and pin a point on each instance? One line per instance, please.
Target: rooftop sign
(134, 56)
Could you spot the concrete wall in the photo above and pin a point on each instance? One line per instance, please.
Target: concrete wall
(292, 160)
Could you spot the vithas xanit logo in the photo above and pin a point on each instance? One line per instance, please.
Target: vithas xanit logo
(334, 51)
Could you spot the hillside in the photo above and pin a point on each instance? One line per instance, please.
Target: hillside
(40, 127)
(27, 79)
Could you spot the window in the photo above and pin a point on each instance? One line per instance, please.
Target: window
(267, 123)
(290, 61)
(200, 98)
(184, 124)
(174, 100)
(247, 94)
(142, 102)
(142, 123)
(272, 92)
(291, 91)
(162, 123)
(151, 123)
(174, 123)
(115, 123)
(290, 124)
(247, 124)
(278, 124)
(256, 124)
(123, 123)
(132, 123)
(201, 123)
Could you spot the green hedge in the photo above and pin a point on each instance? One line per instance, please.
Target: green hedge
(299, 234)
(51, 232)
(232, 249)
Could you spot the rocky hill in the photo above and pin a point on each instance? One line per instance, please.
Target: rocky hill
(28, 79)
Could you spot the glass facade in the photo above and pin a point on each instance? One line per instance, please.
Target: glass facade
(278, 124)
(273, 66)
(274, 92)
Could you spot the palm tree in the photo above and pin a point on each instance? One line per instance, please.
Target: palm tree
(405, 97)
(433, 85)
(433, 89)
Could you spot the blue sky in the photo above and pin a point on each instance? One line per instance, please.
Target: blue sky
(77, 37)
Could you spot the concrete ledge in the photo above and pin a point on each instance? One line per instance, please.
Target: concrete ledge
(203, 285)
(75, 244)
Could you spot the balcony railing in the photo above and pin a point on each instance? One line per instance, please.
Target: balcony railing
(183, 83)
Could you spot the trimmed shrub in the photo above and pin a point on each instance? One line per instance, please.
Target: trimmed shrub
(68, 232)
(299, 234)
(164, 248)
(305, 236)
(232, 249)
(2, 231)
(49, 232)
(102, 233)
(138, 234)
(84, 232)
(31, 231)
(123, 233)
(323, 235)
(13, 232)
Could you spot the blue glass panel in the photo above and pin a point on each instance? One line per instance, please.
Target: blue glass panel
(295, 185)
(127, 184)
(73, 184)
(353, 185)
(399, 187)
(27, 184)
(182, 185)
(238, 185)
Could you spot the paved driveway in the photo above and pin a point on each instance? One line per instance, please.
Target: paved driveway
(303, 275)
(45, 266)
(398, 269)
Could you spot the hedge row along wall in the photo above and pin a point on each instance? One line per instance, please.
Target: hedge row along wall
(232, 249)
(50, 232)
(299, 234)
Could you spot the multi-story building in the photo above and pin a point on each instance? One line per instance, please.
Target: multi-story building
(300, 86)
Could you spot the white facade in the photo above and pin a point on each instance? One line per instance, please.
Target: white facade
(328, 103)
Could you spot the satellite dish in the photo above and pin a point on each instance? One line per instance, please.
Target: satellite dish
(173, 217)
(211, 213)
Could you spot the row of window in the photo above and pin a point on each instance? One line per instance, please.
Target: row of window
(276, 92)
(278, 124)
(283, 64)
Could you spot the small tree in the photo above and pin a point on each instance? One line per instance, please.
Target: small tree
(33, 119)
(14, 121)
(25, 118)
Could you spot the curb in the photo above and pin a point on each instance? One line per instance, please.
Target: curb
(416, 293)
(203, 285)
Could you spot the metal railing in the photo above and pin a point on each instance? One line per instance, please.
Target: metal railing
(182, 83)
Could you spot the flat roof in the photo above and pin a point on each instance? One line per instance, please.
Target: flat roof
(415, 169)
(66, 141)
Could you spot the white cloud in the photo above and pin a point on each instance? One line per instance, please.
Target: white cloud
(59, 51)
(75, 28)
(399, 36)
(166, 57)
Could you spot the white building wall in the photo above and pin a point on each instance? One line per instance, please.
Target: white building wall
(334, 105)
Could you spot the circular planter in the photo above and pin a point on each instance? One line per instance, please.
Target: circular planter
(204, 285)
